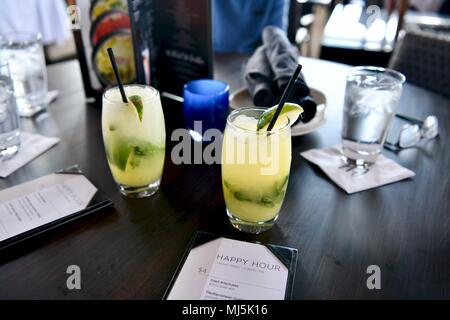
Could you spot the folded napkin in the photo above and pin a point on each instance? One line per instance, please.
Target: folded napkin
(258, 77)
(268, 71)
(353, 179)
(31, 146)
(283, 59)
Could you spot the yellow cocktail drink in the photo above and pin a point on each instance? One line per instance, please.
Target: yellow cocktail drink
(255, 170)
(134, 138)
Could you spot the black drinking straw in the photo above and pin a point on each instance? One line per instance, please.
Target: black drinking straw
(116, 74)
(284, 97)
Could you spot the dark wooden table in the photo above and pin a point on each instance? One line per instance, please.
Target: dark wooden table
(132, 251)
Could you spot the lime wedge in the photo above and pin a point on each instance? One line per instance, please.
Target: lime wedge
(290, 111)
(137, 103)
(120, 152)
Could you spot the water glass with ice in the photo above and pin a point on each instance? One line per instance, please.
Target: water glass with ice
(372, 96)
(9, 119)
(25, 56)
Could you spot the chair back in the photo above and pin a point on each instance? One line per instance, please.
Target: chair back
(424, 58)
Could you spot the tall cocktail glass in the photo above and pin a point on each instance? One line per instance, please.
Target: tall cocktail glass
(255, 170)
(134, 140)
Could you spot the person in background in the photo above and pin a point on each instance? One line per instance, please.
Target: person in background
(238, 24)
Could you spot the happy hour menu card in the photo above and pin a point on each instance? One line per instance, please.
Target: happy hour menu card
(227, 269)
(38, 202)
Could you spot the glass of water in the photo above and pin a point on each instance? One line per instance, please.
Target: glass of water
(25, 56)
(372, 96)
(9, 119)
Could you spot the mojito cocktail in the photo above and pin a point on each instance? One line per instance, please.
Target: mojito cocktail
(255, 169)
(134, 136)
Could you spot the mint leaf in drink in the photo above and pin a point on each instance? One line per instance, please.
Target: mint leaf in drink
(120, 153)
(135, 162)
(279, 187)
(142, 150)
(269, 201)
(145, 149)
(280, 190)
(242, 196)
(125, 151)
(138, 105)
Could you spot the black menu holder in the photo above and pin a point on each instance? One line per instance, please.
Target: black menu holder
(287, 256)
(98, 202)
(172, 42)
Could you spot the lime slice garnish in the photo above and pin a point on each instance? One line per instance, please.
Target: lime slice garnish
(119, 153)
(136, 101)
(290, 111)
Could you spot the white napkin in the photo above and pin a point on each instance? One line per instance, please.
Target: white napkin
(31, 145)
(51, 96)
(352, 179)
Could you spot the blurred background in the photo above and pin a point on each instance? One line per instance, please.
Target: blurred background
(354, 32)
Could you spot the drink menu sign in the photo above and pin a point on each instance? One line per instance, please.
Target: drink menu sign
(219, 268)
(172, 42)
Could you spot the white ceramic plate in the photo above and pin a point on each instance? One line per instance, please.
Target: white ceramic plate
(242, 98)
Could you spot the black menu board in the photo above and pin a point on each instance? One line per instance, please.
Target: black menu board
(172, 42)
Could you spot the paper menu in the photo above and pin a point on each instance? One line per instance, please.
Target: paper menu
(228, 269)
(38, 202)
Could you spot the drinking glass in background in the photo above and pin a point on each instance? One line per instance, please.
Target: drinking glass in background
(255, 170)
(25, 56)
(9, 119)
(134, 141)
(207, 101)
(372, 96)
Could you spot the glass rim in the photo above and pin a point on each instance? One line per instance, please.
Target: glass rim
(30, 37)
(119, 101)
(234, 112)
(391, 72)
(219, 93)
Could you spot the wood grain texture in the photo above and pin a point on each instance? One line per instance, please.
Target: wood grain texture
(131, 251)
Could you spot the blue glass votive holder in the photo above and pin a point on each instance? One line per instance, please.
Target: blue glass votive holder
(205, 106)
